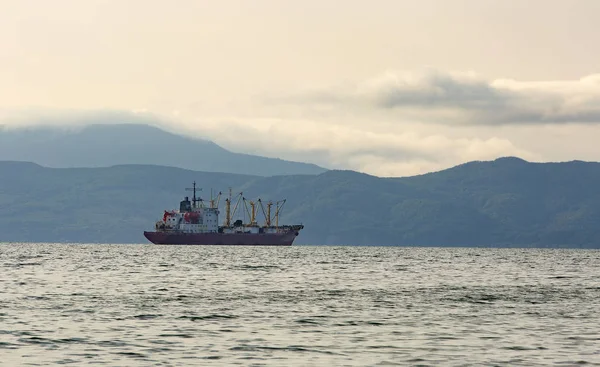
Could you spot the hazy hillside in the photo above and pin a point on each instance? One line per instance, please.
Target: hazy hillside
(507, 202)
(104, 145)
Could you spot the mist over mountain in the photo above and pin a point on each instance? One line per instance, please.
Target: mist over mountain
(506, 202)
(104, 145)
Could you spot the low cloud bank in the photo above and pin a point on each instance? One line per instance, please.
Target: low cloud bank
(396, 124)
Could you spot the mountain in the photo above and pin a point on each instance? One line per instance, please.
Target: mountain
(506, 202)
(104, 145)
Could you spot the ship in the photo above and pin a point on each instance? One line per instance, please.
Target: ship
(197, 223)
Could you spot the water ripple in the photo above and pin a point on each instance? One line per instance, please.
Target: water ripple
(382, 306)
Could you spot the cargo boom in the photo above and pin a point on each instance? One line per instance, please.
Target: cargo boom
(197, 224)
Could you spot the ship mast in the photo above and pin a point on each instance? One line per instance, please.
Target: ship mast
(218, 200)
(194, 199)
(253, 216)
(212, 199)
(267, 214)
(236, 204)
(252, 213)
(228, 210)
(278, 211)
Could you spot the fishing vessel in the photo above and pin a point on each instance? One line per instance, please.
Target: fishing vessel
(198, 224)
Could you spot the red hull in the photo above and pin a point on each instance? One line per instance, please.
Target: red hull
(230, 239)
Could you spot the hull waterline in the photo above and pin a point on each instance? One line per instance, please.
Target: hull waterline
(222, 239)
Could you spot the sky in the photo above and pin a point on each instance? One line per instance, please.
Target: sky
(386, 87)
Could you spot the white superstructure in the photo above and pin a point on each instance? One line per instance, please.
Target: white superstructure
(194, 217)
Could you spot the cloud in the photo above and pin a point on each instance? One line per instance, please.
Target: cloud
(394, 125)
(461, 98)
(71, 118)
(372, 147)
(358, 147)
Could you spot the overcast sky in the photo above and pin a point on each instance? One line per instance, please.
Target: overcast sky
(384, 87)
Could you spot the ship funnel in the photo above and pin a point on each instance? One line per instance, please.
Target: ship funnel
(185, 205)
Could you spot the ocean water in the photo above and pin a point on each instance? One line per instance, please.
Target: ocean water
(146, 305)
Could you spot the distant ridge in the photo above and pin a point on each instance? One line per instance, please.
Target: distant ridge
(502, 203)
(104, 145)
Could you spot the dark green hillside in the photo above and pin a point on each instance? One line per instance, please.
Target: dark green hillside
(546, 203)
(92, 204)
(506, 202)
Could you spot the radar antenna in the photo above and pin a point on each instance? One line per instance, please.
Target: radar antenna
(194, 199)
